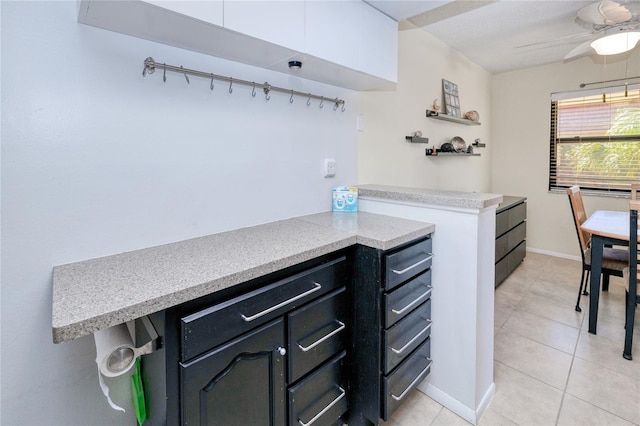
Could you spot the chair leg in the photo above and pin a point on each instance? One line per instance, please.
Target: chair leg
(605, 282)
(628, 333)
(580, 290)
(586, 284)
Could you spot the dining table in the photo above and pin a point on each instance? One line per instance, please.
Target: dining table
(607, 227)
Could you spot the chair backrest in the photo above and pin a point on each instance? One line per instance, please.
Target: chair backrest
(579, 216)
(635, 188)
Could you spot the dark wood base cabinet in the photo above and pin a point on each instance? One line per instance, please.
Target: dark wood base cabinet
(511, 235)
(339, 339)
(268, 352)
(391, 328)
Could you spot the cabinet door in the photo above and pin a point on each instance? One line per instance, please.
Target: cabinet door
(332, 31)
(278, 22)
(239, 383)
(378, 44)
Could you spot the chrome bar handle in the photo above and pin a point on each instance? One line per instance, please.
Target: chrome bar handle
(317, 342)
(416, 301)
(280, 305)
(402, 349)
(426, 259)
(325, 409)
(417, 379)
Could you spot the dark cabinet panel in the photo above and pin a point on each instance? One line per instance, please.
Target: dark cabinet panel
(397, 385)
(212, 326)
(511, 234)
(239, 383)
(405, 299)
(321, 398)
(316, 333)
(406, 263)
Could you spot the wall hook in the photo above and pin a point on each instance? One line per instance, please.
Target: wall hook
(322, 102)
(309, 100)
(267, 89)
(342, 107)
(291, 98)
(164, 74)
(336, 105)
(230, 84)
(253, 91)
(211, 86)
(186, 77)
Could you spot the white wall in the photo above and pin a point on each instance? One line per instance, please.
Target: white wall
(521, 111)
(385, 157)
(98, 160)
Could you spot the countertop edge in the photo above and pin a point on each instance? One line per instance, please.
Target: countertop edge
(68, 331)
(473, 200)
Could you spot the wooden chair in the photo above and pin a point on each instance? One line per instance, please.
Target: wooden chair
(631, 275)
(613, 260)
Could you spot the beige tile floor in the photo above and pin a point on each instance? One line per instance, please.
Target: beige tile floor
(548, 369)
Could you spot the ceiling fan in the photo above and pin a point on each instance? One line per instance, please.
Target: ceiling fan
(615, 27)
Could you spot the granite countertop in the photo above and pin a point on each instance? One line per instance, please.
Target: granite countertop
(474, 200)
(99, 293)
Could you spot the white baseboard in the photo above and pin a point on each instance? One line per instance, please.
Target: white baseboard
(467, 413)
(555, 254)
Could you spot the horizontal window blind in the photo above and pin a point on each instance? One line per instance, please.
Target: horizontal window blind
(595, 140)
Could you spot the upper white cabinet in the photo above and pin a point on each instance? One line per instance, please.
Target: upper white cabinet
(208, 11)
(278, 22)
(353, 34)
(378, 44)
(332, 30)
(345, 43)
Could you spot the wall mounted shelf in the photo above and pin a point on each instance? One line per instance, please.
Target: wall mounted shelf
(450, 154)
(416, 139)
(444, 117)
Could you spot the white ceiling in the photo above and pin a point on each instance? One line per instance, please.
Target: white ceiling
(498, 35)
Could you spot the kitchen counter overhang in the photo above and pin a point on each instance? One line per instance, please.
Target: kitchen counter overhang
(98, 293)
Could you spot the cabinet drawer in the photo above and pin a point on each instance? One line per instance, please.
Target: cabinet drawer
(316, 333)
(210, 327)
(517, 214)
(409, 374)
(502, 222)
(510, 240)
(321, 398)
(401, 339)
(403, 300)
(407, 263)
(507, 219)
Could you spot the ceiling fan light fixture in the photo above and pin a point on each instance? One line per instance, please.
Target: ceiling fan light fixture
(616, 43)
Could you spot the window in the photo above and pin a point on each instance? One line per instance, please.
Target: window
(595, 140)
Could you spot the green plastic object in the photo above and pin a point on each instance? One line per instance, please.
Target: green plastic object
(137, 395)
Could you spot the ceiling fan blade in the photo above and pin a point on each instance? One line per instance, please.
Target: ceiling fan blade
(582, 49)
(605, 12)
(572, 38)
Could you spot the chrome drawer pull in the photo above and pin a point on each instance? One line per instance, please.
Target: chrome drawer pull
(416, 301)
(325, 409)
(416, 337)
(280, 305)
(417, 379)
(426, 259)
(317, 342)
